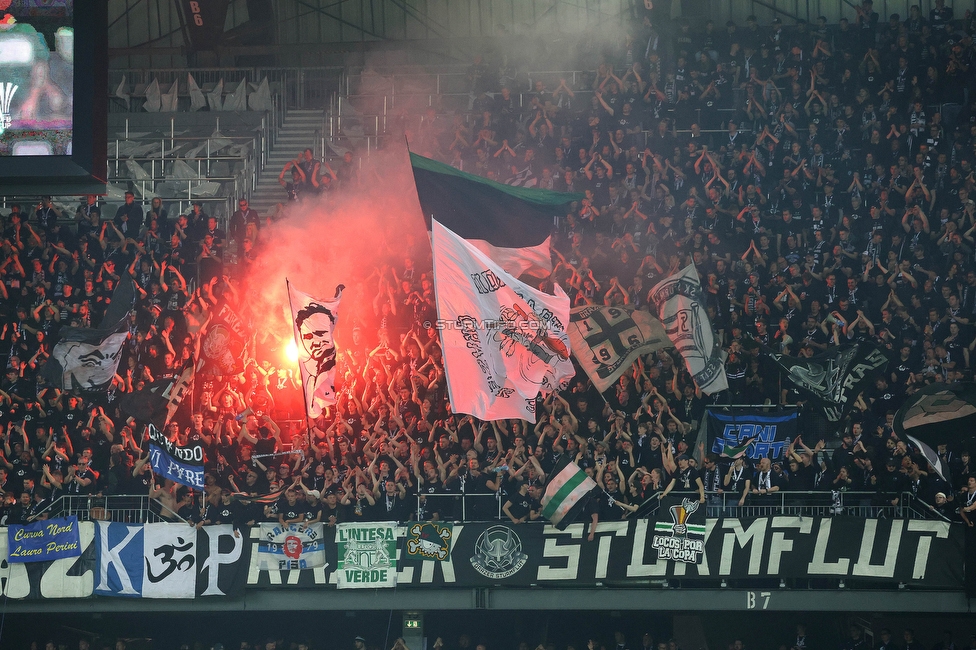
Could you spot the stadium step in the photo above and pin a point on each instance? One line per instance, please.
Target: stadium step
(299, 130)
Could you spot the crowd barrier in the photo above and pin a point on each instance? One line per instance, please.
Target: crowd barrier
(482, 507)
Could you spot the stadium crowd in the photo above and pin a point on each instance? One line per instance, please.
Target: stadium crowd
(820, 179)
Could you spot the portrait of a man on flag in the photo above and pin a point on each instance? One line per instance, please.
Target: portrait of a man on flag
(314, 324)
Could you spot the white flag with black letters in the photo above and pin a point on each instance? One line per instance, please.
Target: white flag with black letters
(504, 342)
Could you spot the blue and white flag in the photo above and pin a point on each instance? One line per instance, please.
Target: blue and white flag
(183, 465)
(146, 561)
(52, 539)
(291, 547)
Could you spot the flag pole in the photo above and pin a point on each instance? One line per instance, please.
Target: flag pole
(308, 422)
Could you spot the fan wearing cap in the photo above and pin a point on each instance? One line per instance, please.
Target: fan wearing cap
(224, 512)
(331, 513)
(686, 481)
(313, 508)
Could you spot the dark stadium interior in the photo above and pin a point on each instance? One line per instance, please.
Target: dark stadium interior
(487, 324)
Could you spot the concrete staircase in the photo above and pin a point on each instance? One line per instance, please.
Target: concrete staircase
(301, 129)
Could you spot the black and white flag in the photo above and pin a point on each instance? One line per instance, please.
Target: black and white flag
(157, 402)
(681, 308)
(835, 377)
(87, 358)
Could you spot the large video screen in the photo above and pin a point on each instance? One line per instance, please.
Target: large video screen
(37, 53)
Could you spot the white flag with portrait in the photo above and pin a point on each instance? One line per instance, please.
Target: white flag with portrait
(504, 342)
(313, 324)
(681, 308)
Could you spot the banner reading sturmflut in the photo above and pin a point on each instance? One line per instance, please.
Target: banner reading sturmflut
(366, 555)
(290, 547)
(681, 308)
(175, 462)
(44, 540)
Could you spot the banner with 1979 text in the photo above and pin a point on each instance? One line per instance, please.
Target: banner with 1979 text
(292, 546)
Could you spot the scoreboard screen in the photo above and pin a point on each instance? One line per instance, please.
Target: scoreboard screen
(53, 96)
(37, 72)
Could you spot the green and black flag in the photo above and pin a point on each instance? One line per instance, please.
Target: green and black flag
(509, 224)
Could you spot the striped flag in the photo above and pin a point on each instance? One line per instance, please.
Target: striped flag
(567, 492)
(735, 452)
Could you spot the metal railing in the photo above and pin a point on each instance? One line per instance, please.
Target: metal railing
(124, 508)
(867, 505)
(782, 503)
(456, 507)
(473, 507)
(312, 87)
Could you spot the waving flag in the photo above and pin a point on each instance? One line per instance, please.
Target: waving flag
(223, 348)
(834, 378)
(567, 492)
(505, 222)
(87, 358)
(681, 307)
(158, 402)
(504, 342)
(313, 324)
(608, 340)
(939, 414)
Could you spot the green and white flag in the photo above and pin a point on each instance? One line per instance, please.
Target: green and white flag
(567, 492)
(366, 555)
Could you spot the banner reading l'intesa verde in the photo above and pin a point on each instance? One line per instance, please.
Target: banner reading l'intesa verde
(366, 555)
(52, 539)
